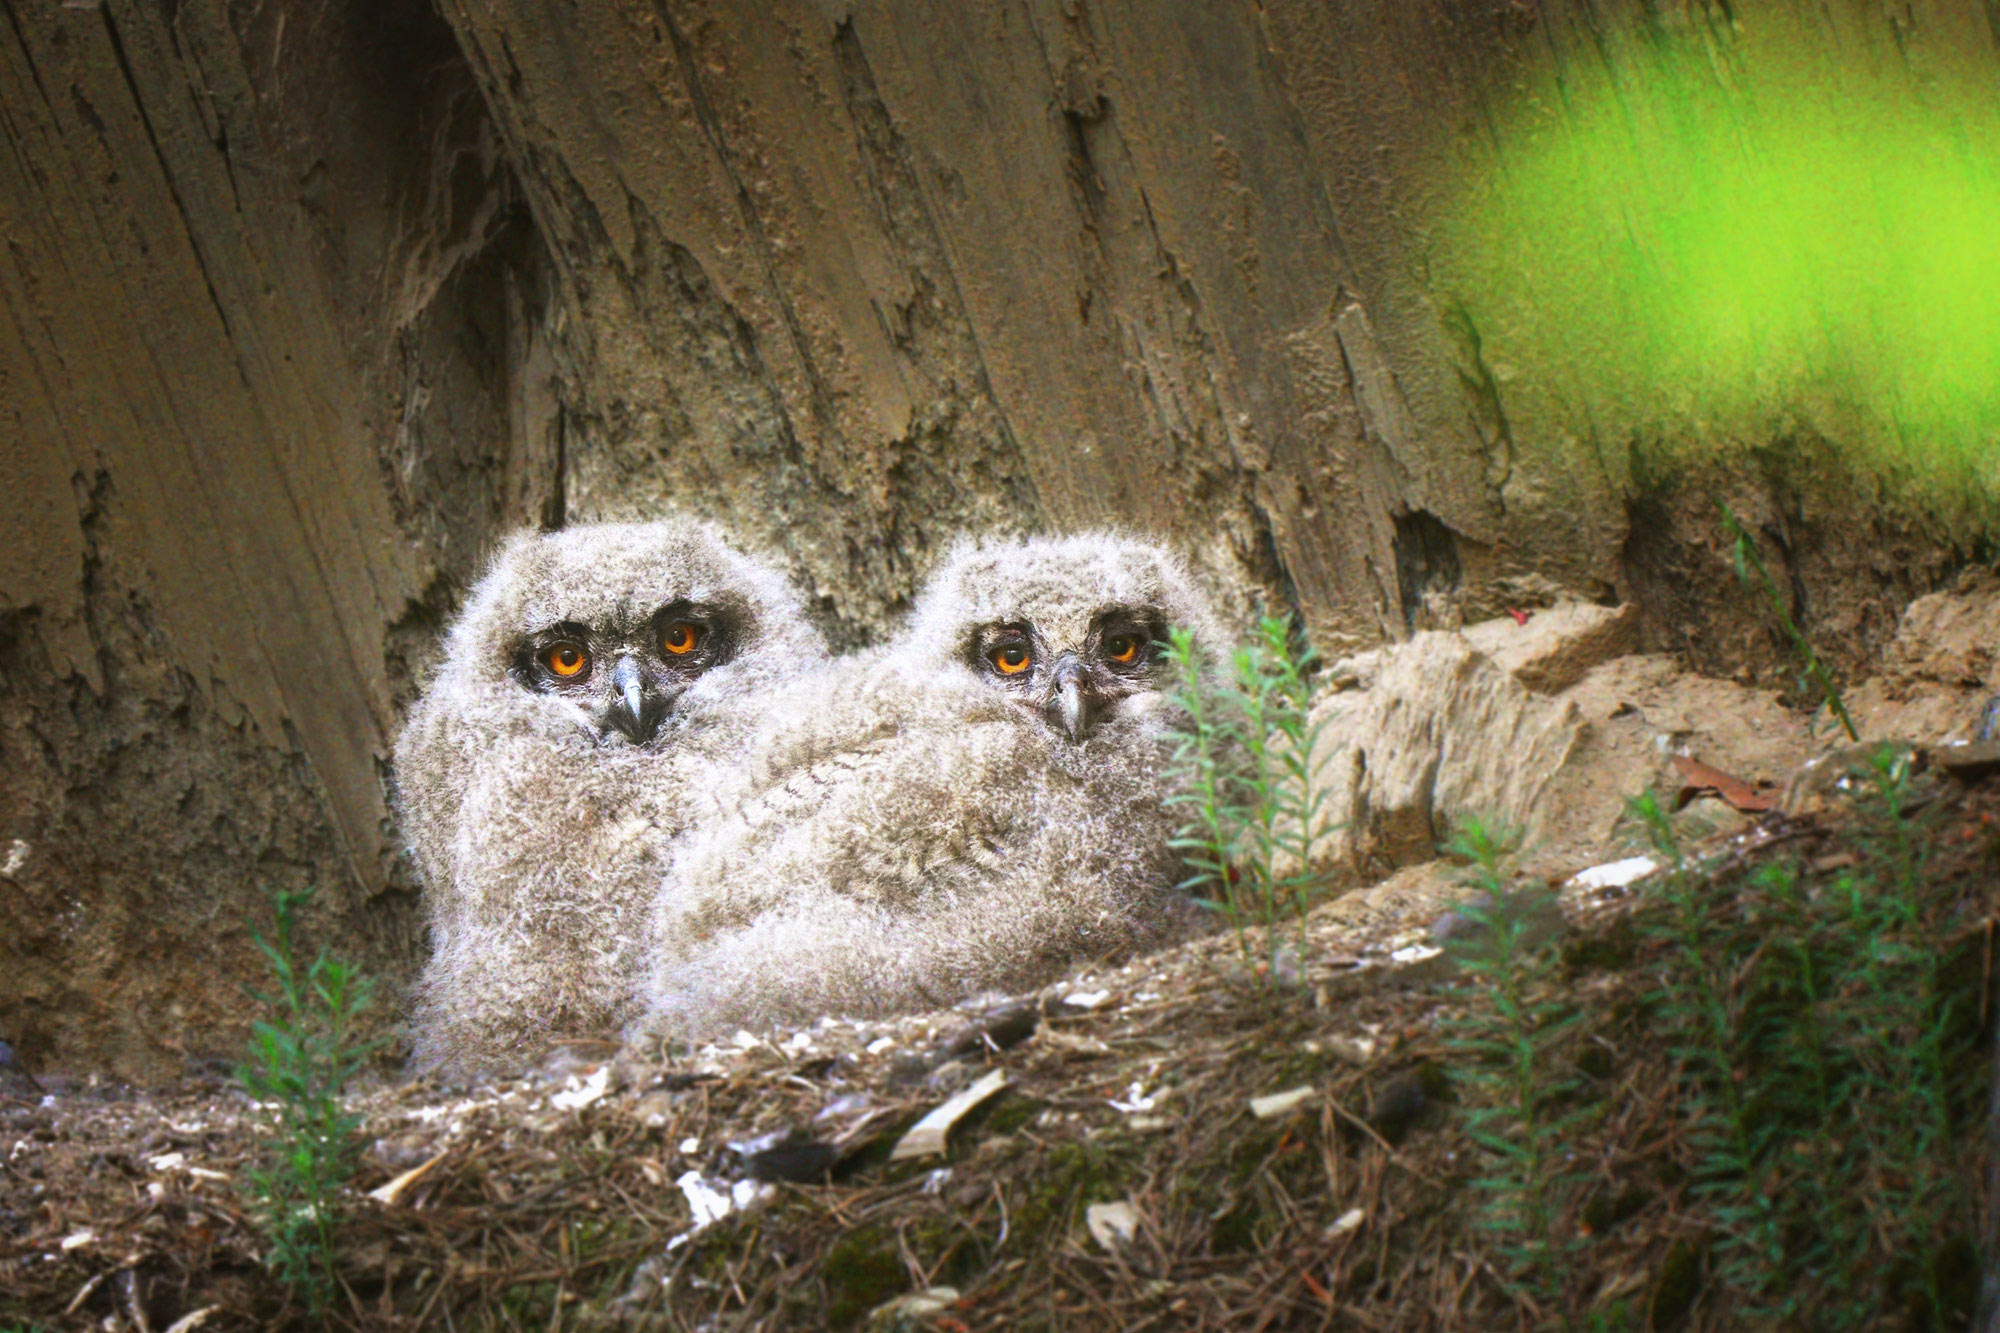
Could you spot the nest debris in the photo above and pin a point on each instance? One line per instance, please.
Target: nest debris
(1140, 1169)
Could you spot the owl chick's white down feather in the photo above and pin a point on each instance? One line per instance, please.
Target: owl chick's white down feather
(978, 806)
(596, 676)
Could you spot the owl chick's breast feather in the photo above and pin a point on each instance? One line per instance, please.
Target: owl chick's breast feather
(907, 829)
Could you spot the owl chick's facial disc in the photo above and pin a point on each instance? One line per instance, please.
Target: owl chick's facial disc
(625, 672)
(1069, 627)
(587, 623)
(1073, 686)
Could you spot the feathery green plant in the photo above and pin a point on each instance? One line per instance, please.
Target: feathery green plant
(1521, 1106)
(1242, 776)
(1753, 573)
(1819, 1058)
(299, 1061)
(1824, 1072)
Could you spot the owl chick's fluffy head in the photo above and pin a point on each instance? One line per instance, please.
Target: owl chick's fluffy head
(614, 626)
(1069, 627)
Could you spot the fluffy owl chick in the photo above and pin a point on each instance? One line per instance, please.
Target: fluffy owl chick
(977, 807)
(595, 675)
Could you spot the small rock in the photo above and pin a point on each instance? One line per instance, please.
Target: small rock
(949, 1077)
(1401, 1103)
(997, 1031)
(796, 1157)
(1553, 650)
(1463, 922)
(1469, 927)
(1970, 763)
(914, 1305)
(1112, 1225)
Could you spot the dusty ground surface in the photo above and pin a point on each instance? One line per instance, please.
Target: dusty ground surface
(1124, 1177)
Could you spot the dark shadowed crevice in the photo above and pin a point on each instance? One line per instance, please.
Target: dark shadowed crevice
(555, 512)
(1270, 563)
(1426, 560)
(28, 56)
(1482, 391)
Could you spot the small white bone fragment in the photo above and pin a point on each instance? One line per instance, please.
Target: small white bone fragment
(577, 1095)
(1354, 1050)
(912, 1306)
(387, 1195)
(1345, 1223)
(1614, 874)
(1275, 1104)
(927, 1136)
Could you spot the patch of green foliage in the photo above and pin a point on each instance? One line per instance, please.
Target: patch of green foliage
(1241, 773)
(1752, 572)
(864, 1269)
(1821, 1077)
(300, 1059)
(1821, 1054)
(1522, 1105)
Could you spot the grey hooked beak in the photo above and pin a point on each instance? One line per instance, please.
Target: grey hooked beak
(633, 712)
(1067, 697)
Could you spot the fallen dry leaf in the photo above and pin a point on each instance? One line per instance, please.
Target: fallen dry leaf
(1697, 778)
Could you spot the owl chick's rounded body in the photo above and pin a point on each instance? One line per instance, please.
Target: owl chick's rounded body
(596, 677)
(979, 806)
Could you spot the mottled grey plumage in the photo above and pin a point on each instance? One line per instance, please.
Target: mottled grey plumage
(975, 807)
(544, 769)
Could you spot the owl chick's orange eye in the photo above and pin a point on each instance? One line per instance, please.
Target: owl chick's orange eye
(566, 660)
(1123, 648)
(1009, 659)
(681, 638)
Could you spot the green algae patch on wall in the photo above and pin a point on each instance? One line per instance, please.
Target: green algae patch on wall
(1744, 235)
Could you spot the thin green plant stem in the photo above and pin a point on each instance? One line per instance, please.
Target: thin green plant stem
(299, 1063)
(1751, 570)
(1242, 776)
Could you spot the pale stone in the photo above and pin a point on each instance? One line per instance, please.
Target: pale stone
(1559, 644)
